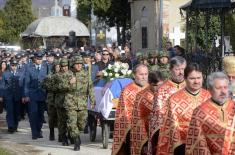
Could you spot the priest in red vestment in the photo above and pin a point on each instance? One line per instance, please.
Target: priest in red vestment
(169, 87)
(212, 126)
(173, 132)
(123, 116)
(139, 122)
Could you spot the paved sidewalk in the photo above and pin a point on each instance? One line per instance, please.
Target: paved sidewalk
(22, 143)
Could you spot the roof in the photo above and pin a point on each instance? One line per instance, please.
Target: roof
(208, 4)
(55, 26)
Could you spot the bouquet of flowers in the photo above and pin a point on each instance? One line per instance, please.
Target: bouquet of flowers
(117, 70)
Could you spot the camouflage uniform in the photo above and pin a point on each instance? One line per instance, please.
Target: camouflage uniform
(163, 68)
(76, 103)
(49, 84)
(62, 87)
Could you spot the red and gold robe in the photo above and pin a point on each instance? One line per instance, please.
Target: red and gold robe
(175, 125)
(212, 129)
(123, 115)
(139, 123)
(159, 109)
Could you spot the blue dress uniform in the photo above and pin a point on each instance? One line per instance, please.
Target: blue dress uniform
(13, 85)
(33, 89)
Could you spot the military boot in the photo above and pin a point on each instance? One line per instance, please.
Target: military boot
(59, 138)
(52, 134)
(77, 143)
(65, 140)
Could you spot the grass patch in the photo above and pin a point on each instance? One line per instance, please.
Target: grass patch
(5, 152)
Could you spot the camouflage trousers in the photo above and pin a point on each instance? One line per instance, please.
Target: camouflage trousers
(52, 116)
(76, 122)
(62, 119)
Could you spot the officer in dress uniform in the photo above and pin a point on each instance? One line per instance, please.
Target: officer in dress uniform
(13, 92)
(35, 95)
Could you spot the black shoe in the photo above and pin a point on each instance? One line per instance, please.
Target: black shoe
(52, 134)
(65, 141)
(15, 129)
(77, 143)
(40, 135)
(11, 130)
(34, 138)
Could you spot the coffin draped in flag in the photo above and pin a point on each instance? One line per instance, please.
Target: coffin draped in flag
(113, 91)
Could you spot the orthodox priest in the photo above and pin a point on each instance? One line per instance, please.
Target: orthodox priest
(173, 132)
(169, 87)
(123, 116)
(139, 123)
(211, 130)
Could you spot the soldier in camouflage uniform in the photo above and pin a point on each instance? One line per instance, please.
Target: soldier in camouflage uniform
(163, 64)
(62, 87)
(49, 84)
(76, 101)
(152, 60)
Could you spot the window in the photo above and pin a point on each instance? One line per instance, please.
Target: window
(144, 37)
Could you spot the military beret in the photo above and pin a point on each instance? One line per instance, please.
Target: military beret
(64, 62)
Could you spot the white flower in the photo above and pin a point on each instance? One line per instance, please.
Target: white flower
(117, 65)
(129, 72)
(116, 70)
(105, 74)
(110, 74)
(110, 66)
(104, 71)
(123, 72)
(125, 65)
(111, 78)
(117, 75)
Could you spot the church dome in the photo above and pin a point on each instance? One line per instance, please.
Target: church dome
(56, 26)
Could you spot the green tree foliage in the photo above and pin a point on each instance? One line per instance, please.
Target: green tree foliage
(112, 12)
(16, 16)
(229, 28)
(202, 29)
(84, 11)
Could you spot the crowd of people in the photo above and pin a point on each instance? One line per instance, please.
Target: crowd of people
(176, 115)
(164, 111)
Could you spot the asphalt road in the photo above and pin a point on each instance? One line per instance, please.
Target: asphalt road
(22, 144)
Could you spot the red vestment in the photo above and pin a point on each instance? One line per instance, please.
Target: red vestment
(159, 109)
(139, 123)
(212, 129)
(175, 125)
(123, 116)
